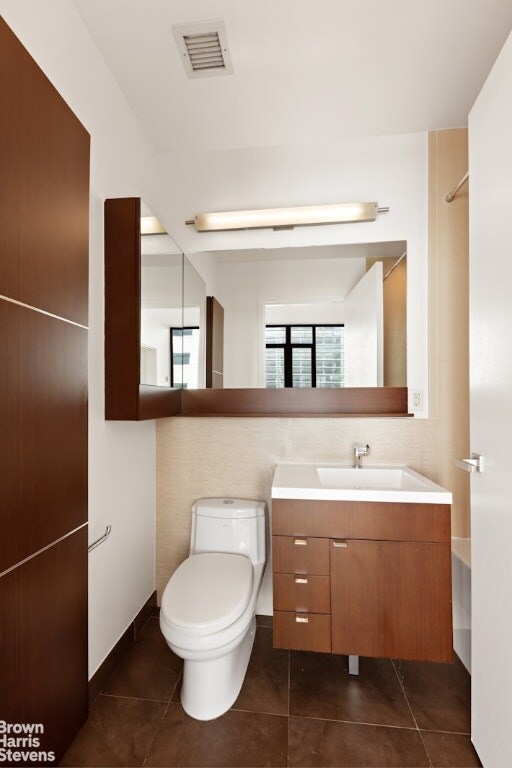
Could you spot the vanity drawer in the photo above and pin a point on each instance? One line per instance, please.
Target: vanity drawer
(302, 631)
(298, 554)
(302, 592)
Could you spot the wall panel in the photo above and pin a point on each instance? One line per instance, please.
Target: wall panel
(44, 194)
(44, 224)
(43, 645)
(43, 412)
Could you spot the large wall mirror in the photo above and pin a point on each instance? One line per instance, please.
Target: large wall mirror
(323, 316)
(313, 330)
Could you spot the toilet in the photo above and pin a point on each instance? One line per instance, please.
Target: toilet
(207, 613)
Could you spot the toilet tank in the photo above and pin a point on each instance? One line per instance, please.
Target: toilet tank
(229, 525)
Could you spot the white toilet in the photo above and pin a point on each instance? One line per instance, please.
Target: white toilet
(207, 615)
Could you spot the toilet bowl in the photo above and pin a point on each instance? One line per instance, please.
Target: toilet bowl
(207, 613)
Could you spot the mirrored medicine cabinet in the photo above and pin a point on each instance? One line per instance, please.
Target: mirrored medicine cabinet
(165, 339)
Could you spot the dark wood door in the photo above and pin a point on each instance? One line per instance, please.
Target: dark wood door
(44, 227)
(391, 599)
(44, 190)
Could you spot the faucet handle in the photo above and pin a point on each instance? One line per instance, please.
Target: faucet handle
(361, 449)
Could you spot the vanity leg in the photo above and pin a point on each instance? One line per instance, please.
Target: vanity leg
(353, 665)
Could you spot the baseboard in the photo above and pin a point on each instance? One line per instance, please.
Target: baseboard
(102, 674)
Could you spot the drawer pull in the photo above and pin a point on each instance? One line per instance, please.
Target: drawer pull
(300, 542)
(302, 619)
(301, 579)
(340, 544)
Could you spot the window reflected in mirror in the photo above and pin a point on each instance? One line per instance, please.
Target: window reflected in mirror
(304, 356)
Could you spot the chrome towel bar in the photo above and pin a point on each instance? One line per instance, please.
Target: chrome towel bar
(100, 540)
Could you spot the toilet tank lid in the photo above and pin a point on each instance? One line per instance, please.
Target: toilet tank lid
(228, 507)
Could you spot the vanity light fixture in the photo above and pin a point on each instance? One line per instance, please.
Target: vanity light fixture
(286, 218)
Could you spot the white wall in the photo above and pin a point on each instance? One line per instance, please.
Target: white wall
(121, 455)
(391, 170)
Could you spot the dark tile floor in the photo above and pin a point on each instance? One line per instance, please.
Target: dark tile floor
(294, 709)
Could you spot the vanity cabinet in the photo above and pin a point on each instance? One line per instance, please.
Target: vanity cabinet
(363, 578)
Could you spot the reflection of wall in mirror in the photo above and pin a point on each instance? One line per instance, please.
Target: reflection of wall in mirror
(148, 372)
(155, 333)
(248, 286)
(160, 311)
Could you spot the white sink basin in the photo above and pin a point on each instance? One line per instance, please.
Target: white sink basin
(337, 482)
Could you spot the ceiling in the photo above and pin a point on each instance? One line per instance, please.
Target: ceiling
(305, 71)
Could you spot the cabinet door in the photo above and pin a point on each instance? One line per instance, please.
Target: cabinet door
(391, 599)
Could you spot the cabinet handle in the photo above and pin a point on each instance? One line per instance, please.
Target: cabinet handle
(301, 579)
(300, 542)
(302, 619)
(340, 543)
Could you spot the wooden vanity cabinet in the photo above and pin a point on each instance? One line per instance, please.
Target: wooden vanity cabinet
(363, 578)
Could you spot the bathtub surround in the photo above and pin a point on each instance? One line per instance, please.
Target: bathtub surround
(236, 457)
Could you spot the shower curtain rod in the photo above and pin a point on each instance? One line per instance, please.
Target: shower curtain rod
(456, 188)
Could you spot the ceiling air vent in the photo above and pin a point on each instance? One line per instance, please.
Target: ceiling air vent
(204, 49)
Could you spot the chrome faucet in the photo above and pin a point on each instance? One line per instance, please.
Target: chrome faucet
(360, 450)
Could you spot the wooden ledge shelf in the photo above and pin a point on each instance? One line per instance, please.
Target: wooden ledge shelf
(357, 402)
(308, 403)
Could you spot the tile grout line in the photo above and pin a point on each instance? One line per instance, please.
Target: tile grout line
(172, 693)
(131, 698)
(446, 733)
(166, 709)
(402, 686)
(359, 722)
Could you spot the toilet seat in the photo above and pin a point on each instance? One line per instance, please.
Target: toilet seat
(208, 592)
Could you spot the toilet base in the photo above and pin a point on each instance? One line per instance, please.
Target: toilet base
(210, 687)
